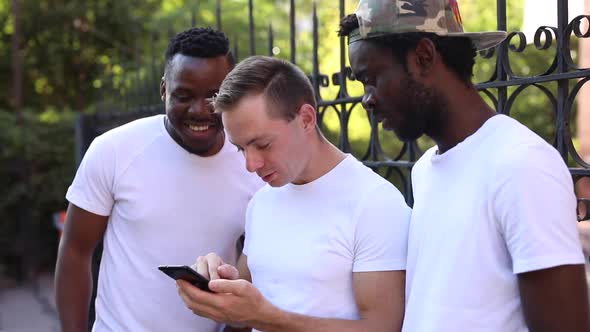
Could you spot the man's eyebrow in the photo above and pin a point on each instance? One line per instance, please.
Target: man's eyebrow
(250, 142)
(257, 138)
(181, 88)
(186, 89)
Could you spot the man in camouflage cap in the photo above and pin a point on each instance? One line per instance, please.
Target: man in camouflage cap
(492, 243)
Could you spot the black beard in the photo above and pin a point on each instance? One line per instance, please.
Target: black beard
(425, 112)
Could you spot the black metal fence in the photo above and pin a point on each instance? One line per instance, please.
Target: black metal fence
(560, 83)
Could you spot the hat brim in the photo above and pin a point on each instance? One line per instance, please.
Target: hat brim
(482, 40)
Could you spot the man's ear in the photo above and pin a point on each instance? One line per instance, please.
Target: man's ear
(163, 89)
(308, 116)
(422, 59)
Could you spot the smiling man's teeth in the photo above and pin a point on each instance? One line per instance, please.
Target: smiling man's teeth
(198, 128)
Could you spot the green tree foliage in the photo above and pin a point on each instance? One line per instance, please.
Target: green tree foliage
(66, 45)
(36, 167)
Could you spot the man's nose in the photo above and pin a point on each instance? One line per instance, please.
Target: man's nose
(369, 100)
(253, 161)
(200, 106)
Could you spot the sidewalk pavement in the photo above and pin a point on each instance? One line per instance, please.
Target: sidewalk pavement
(29, 307)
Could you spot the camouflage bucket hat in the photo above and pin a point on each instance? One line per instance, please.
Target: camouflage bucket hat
(442, 17)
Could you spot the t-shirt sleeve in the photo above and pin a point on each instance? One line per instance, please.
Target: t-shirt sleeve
(381, 237)
(92, 188)
(535, 207)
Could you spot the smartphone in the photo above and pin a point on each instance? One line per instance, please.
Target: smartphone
(186, 273)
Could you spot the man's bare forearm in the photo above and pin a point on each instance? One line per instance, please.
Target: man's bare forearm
(73, 284)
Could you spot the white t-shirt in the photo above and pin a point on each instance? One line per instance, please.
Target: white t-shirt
(498, 204)
(303, 242)
(166, 207)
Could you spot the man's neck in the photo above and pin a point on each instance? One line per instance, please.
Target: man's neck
(323, 158)
(466, 113)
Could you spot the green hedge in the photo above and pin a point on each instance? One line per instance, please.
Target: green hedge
(37, 163)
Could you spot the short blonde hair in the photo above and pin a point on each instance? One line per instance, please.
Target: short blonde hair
(283, 84)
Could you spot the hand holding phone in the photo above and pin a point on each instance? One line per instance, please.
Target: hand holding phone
(186, 273)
